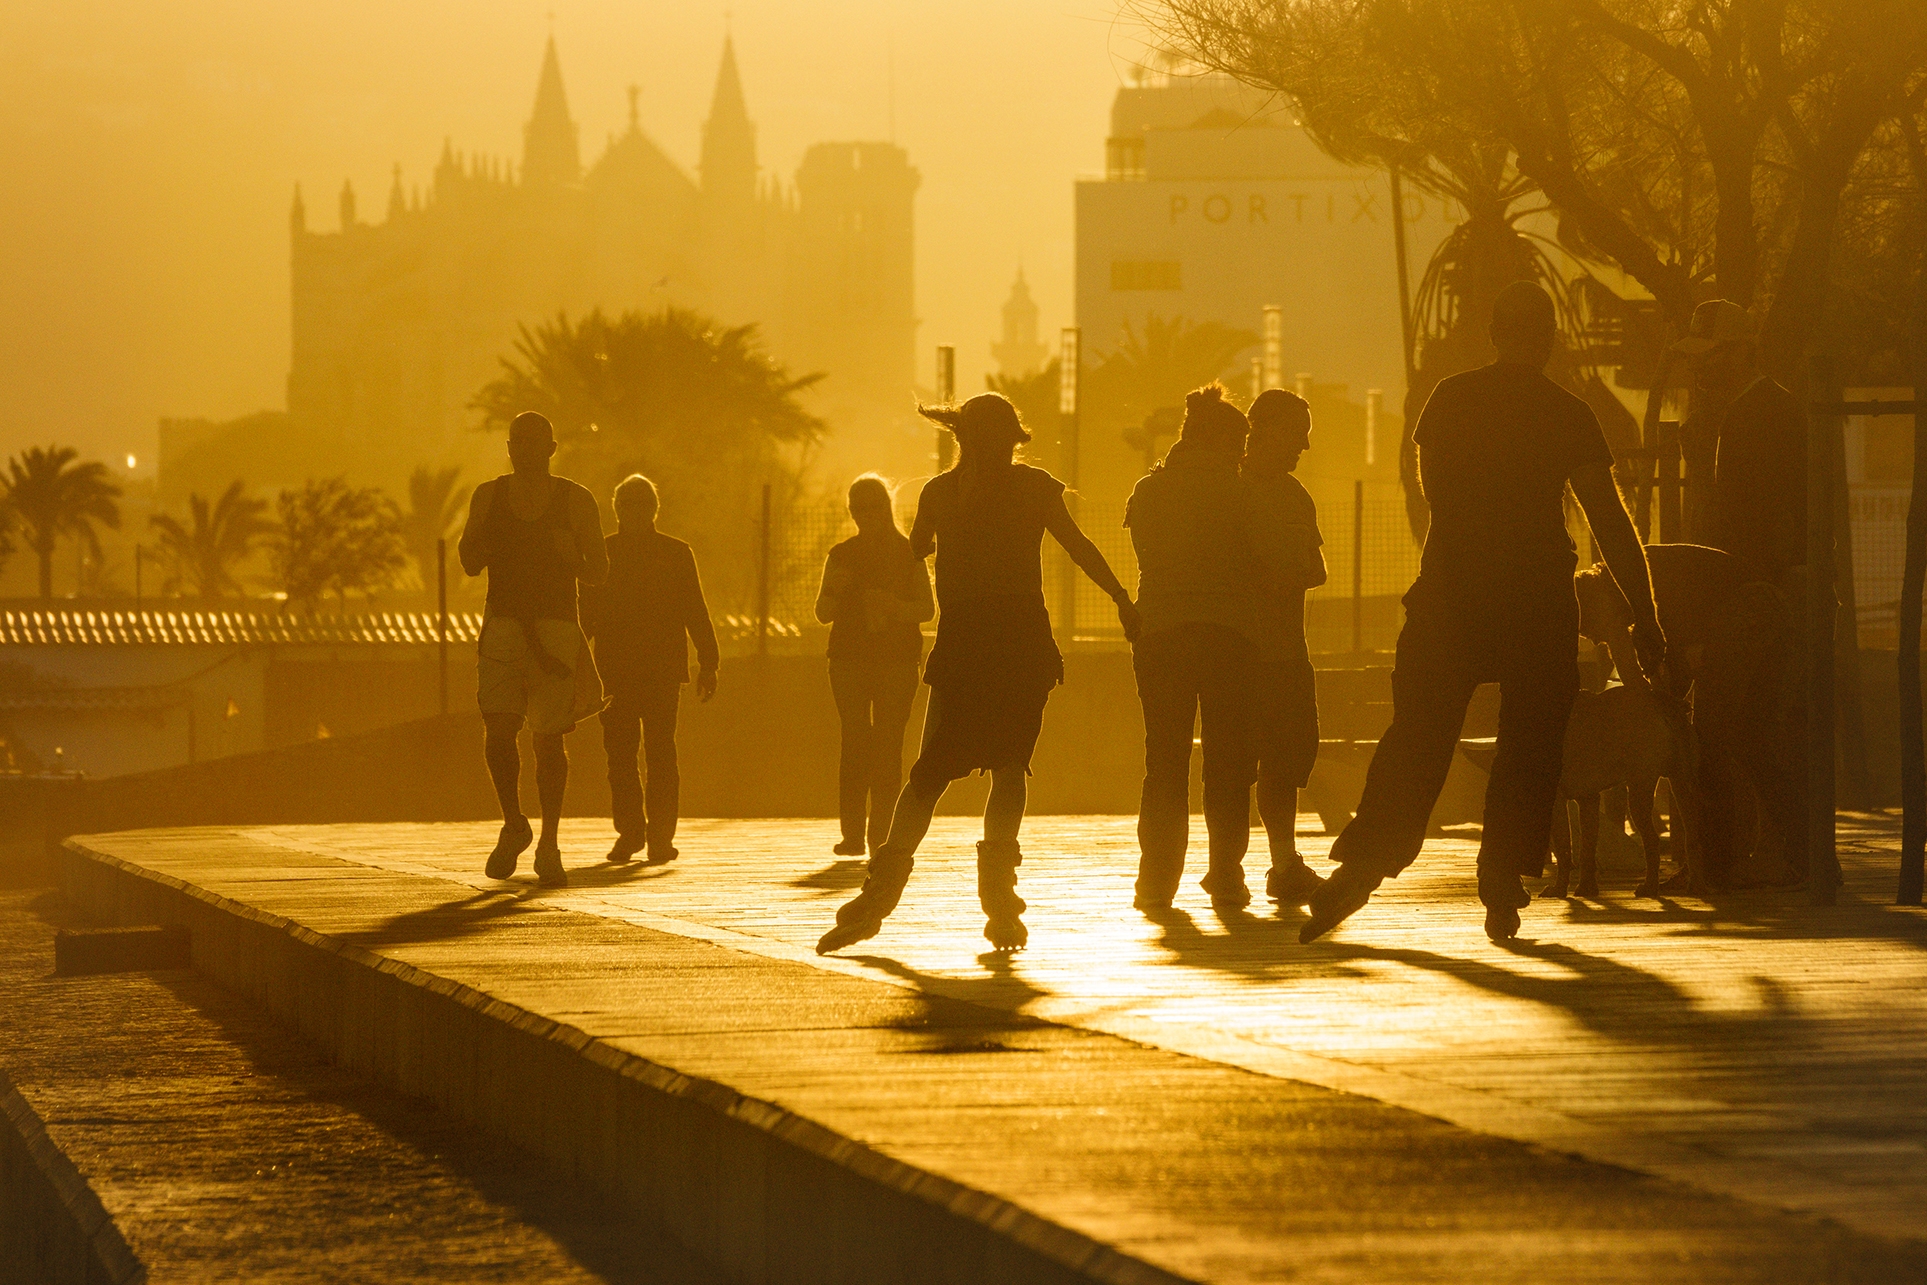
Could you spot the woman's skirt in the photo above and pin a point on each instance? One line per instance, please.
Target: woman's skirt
(990, 673)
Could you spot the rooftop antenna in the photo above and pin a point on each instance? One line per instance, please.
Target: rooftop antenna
(890, 63)
(634, 117)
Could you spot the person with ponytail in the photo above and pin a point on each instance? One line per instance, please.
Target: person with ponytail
(875, 597)
(994, 662)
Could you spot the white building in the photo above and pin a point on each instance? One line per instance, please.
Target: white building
(1215, 204)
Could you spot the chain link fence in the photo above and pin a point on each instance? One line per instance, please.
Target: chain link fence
(1370, 555)
(1879, 521)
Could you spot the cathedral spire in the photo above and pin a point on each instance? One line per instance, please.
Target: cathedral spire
(1019, 353)
(729, 140)
(298, 213)
(397, 200)
(550, 154)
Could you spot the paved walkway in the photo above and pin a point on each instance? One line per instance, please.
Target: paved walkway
(1758, 1048)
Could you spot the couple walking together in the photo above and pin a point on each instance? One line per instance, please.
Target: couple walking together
(537, 536)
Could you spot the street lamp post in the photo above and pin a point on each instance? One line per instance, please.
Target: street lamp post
(1070, 354)
(1274, 371)
(946, 394)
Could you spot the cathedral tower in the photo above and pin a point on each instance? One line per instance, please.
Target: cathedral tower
(550, 154)
(1019, 353)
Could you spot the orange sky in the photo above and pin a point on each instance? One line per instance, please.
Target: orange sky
(149, 151)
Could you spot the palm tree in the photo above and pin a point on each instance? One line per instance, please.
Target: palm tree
(434, 502)
(699, 407)
(1155, 368)
(1334, 62)
(221, 536)
(52, 500)
(8, 521)
(1034, 395)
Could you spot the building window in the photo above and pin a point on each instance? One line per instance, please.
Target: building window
(1124, 160)
(1143, 274)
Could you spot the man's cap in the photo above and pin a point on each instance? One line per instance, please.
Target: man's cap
(1715, 324)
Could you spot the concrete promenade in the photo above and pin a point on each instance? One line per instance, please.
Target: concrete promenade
(1166, 1089)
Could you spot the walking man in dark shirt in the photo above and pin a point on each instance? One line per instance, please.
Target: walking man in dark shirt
(1760, 474)
(1285, 705)
(536, 535)
(1493, 603)
(643, 619)
(1755, 725)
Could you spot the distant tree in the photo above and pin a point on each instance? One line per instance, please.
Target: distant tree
(434, 502)
(335, 538)
(1702, 148)
(53, 497)
(698, 406)
(1034, 395)
(202, 553)
(1156, 367)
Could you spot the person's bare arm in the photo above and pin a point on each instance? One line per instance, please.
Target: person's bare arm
(1064, 529)
(923, 602)
(470, 548)
(1625, 556)
(585, 521)
(923, 530)
(700, 628)
(830, 591)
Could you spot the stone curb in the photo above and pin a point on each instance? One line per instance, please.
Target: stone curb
(52, 1225)
(759, 1192)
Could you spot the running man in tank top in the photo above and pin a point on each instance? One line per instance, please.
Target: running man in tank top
(536, 535)
(994, 662)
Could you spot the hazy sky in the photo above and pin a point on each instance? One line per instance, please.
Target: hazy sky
(149, 151)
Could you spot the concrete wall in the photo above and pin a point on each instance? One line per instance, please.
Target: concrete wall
(175, 704)
(766, 746)
(53, 1227)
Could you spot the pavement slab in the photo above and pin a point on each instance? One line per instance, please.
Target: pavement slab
(1639, 1090)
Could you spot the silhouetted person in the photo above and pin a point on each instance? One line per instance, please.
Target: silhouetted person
(994, 662)
(1759, 509)
(1285, 704)
(643, 619)
(536, 535)
(1493, 603)
(1195, 657)
(1759, 515)
(875, 597)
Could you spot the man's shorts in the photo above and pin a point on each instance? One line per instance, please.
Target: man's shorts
(1285, 719)
(510, 680)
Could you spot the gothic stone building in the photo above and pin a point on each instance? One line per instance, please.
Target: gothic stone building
(397, 324)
